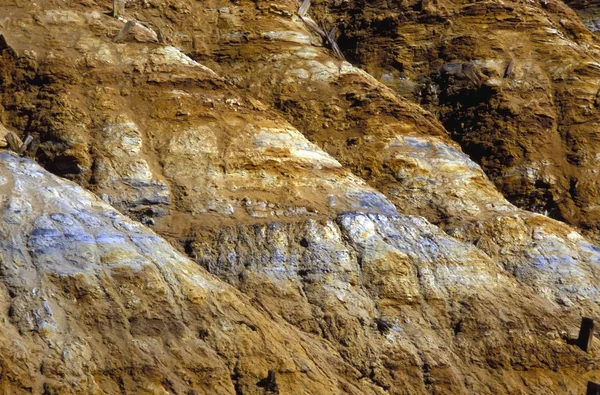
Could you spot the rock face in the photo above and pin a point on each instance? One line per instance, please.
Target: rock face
(352, 246)
(515, 83)
(93, 302)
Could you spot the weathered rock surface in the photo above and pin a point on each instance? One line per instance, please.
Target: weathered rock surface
(93, 302)
(515, 83)
(298, 178)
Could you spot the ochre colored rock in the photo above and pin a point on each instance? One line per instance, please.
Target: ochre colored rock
(533, 132)
(93, 302)
(352, 246)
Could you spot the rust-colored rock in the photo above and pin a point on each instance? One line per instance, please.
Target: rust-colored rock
(534, 133)
(369, 253)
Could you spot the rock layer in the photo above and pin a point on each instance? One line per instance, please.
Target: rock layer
(515, 83)
(298, 178)
(94, 302)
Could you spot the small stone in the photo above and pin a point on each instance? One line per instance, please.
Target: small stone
(124, 32)
(14, 142)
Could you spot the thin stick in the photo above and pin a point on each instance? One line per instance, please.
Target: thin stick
(313, 25)
(336, 50)
(303, 8)
(332, 33)
(328, 37)
(509, 69)
(25, 144)
(334, 46)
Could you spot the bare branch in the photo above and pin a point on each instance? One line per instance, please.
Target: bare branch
(313, 25)
(25, 144)
(303, 8)
(334, 46)
(327, 37)
(509, 69)
(332, 33)
(336, 50)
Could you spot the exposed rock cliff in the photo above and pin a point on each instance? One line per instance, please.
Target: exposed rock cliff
(515, 83)
(369, 253)
(93, 302)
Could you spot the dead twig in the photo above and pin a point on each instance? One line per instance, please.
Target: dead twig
(25, 144)
(336, 50)
(334, 46)
(332, 33)
(303, 8)
(313, 25)
(509, 69)
(329, 38)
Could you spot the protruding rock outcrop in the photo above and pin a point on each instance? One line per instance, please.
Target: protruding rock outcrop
(94, 302)
(534, 133)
